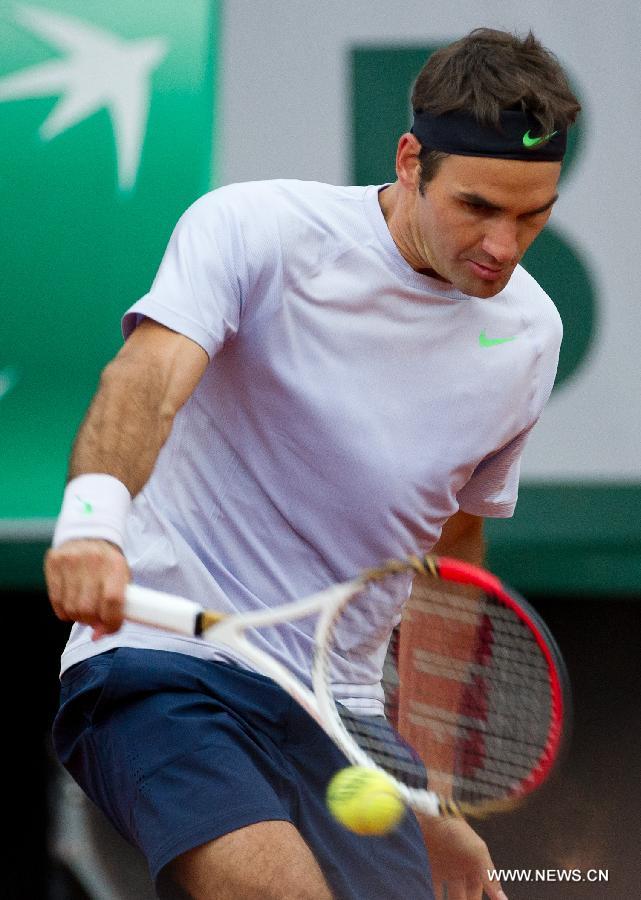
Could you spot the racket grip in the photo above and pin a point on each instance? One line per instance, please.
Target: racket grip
(161, 610)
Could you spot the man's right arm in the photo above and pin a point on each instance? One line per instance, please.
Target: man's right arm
(128, 422)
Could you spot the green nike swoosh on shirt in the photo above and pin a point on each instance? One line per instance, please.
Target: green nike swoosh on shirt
(485, 341)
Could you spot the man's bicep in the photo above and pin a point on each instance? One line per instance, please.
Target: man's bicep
(176, 362)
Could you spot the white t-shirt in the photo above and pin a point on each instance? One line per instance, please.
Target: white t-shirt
(348, 410)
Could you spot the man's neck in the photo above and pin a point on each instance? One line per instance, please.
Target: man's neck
(398, 222)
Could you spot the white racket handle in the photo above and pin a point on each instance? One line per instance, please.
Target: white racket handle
(161, 610)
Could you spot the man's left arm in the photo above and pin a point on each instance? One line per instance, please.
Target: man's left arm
(462, 538)
(460, 858)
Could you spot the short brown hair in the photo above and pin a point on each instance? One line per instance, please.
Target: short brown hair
(489, 71)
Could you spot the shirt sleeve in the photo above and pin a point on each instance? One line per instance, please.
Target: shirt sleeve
(492, 490)
(198, 290)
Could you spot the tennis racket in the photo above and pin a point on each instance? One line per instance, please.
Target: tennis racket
(473, 681)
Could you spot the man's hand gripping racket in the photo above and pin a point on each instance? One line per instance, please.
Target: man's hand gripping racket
(474, 682)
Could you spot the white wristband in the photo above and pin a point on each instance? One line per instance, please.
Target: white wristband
(94, 506)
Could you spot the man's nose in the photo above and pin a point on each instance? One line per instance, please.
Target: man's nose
(500, 241)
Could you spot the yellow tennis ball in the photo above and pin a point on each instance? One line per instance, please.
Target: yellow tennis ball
(364, 800)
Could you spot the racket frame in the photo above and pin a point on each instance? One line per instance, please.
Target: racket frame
(186, 617)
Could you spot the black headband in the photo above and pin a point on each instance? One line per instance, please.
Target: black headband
(518, 137)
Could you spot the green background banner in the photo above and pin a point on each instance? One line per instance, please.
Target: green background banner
(106, 117)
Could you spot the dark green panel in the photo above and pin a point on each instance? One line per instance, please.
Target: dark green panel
(382, 79)
(571, 538)
(21, 564)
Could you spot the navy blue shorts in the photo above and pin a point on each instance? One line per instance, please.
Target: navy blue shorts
(178, 751)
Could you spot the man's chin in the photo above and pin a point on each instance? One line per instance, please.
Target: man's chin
(482, 290)
(478, 287)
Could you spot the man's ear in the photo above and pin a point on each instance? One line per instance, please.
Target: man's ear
(408, 167)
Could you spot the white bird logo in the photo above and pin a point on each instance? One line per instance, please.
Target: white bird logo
(99, 71)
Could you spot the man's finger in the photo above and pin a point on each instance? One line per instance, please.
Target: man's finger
(112, 602)
(491, 886)
(54, 587)
(474, 888)
(493, 889)
(456, 890)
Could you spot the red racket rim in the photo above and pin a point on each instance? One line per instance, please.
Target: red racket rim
(460, 572)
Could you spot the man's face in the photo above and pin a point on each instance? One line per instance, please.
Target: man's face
(477, 217)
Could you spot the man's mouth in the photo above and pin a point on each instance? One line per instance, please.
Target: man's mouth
(487, 273)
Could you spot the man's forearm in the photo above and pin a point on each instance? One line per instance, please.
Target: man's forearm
(124, 429)
(131, 416)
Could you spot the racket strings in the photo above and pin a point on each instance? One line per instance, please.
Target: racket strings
(475, 694)
(512, 749)
(467, 690)
(467, 685)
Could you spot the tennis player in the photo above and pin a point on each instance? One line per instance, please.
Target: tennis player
(320, 378)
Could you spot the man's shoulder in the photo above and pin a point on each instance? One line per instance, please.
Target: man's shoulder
(537, 305)
(278, 205)
(527, 287)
